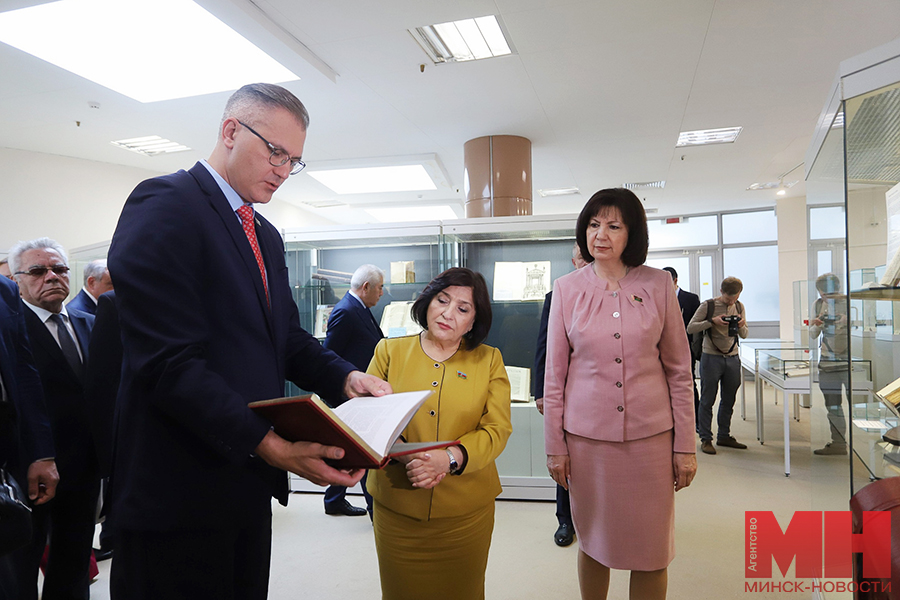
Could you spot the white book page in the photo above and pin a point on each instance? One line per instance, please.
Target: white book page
(519, 383)
(380, 420)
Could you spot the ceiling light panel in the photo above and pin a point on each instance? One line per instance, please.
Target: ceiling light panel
(558, 192)
(150, 145)
(143, 50)
(704, 137)
(644, 185)
(464, 40)
(373, 180)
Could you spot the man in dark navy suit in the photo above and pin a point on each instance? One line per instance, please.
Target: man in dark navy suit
(565, 532)
(689, 304)
(101, 386)
(352, 334)
(26, 441)
(59, 341)
(209, 324)
(96, 282)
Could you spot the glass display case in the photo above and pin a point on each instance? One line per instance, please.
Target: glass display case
(789, 369)
(520, 257)
(852, 163)
(749, 351)
(863, 312)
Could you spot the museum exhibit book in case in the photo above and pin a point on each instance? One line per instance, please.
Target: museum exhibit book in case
(367, 428)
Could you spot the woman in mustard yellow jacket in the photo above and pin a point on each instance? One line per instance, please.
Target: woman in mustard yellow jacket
(434, 513)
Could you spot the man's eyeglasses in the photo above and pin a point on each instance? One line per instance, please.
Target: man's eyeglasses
(59, 270)
(278, 157)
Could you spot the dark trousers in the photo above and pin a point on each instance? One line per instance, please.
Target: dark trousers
(193, 564)
(696, 394)
(831, 384)
(337, 493)
(563, 509)
(67, 524)
(716, 369)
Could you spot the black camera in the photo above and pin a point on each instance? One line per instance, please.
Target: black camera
(732, 321)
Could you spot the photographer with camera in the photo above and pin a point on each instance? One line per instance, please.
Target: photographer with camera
(720, 321)
(829, 319)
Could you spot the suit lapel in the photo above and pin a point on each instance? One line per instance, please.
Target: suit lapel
(235, 232)
(365, 315)
(82, 334)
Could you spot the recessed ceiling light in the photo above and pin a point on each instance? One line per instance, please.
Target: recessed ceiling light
(771, 185)
(150, 145)
(148, 51)
(703, 137)
(459, 41)
(398, 214)
(643, 185)
(372, 180)
(559, 192)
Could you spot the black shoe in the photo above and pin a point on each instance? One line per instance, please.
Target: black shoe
(564, 535)
(344, 508)
(730, 442)
(102, 554)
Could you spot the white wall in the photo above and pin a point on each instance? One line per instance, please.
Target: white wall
(867, 228)
(792, 257)
(77, 202)
(867, 231)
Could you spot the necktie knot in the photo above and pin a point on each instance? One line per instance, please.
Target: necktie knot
(245, 212)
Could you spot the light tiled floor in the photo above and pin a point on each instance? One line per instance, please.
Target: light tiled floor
(322, 557)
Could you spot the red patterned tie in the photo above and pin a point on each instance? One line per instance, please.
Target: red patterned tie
(246, 214)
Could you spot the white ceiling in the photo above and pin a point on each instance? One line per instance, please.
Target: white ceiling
(601, 88)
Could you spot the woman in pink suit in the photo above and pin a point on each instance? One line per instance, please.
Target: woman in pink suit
(618, 400)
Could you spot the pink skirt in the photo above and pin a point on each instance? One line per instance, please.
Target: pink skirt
(623, 500)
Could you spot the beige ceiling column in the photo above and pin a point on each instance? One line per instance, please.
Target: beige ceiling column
(498, 176)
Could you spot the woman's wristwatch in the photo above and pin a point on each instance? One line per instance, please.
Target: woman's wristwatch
(454, 465)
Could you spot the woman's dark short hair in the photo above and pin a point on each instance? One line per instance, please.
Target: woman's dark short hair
(466, 278)
(633, 216)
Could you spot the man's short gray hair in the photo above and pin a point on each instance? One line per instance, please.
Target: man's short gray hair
(16, 252)
(246, 103)
(366, 273)
(95, 269)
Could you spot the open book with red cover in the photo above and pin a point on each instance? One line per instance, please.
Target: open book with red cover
(366, 428)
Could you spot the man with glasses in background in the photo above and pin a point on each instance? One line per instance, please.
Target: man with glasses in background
(209, 324)
(59, 342)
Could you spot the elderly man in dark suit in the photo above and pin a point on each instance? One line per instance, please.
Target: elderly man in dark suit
(96, 282)
(59, 341)
(353, 334)
(689, 304)
(26, 441)
(209, 324)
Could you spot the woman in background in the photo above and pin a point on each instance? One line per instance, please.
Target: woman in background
(618, 400)
(434, 512)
